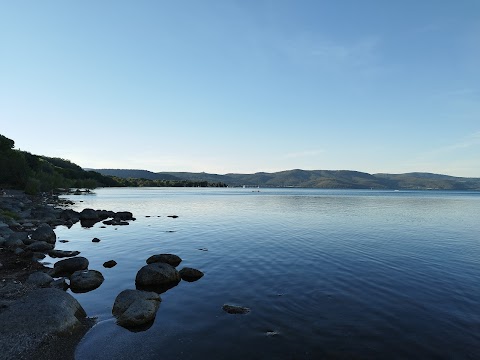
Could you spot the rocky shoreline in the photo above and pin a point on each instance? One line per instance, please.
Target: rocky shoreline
(40, 320)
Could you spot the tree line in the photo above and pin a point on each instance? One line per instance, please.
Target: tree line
(35, 173)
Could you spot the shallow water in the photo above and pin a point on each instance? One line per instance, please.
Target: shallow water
(326, 273)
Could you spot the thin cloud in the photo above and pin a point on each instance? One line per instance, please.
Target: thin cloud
(302, 154)
(467, 142)
(328, 54)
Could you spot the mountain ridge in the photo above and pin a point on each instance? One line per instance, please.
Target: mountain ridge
(335, 179)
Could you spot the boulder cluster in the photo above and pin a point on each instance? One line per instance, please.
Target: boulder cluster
(133, 308)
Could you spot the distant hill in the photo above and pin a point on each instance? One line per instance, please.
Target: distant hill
(326, 179)
(137, 174)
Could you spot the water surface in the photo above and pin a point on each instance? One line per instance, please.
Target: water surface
(326, 273)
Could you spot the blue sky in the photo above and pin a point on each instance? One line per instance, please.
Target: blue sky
(245, 86)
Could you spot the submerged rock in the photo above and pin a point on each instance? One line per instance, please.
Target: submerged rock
(134, 307)
(85, 280)
(170, 259)
(190, 274)
(95, 240)
(234, 309)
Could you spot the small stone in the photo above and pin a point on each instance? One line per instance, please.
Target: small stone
(172, 216)
(40, 246)
(40, 279)
(109, 263)
(59, 284)
(95, 240)
(62, 253)
(63, 241)
(190, 274)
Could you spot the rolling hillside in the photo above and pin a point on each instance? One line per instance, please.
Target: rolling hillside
(326, 179)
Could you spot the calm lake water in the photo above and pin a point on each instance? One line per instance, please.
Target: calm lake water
(326, 273)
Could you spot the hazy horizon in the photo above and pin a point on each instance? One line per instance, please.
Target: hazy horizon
(245, 86)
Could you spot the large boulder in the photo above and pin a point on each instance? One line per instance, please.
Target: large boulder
(36, 318)
(85, 280)
(44, 233)
(69, 266)
(134, 307)
(169, 259)
(157, 275)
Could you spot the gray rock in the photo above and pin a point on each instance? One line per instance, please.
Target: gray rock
(19, 235)
(39, 278)
(157, 274)
(85, 280)
(70, 214)
(89, 214)
(35, 318)
(124, 215)
(69, 266)
(190, 274)
(18, 251)
(103, 214)
(95, 240)
(233, 309)
(169, 259)
(134, 307)
(59, 284)
(62, 253)
(38, 256)
(40, 246)
(5, 230)
(14, 243)
(44, 233)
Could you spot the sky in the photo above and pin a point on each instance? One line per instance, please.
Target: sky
(244, 86)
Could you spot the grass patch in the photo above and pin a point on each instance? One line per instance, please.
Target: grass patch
(9, 214)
